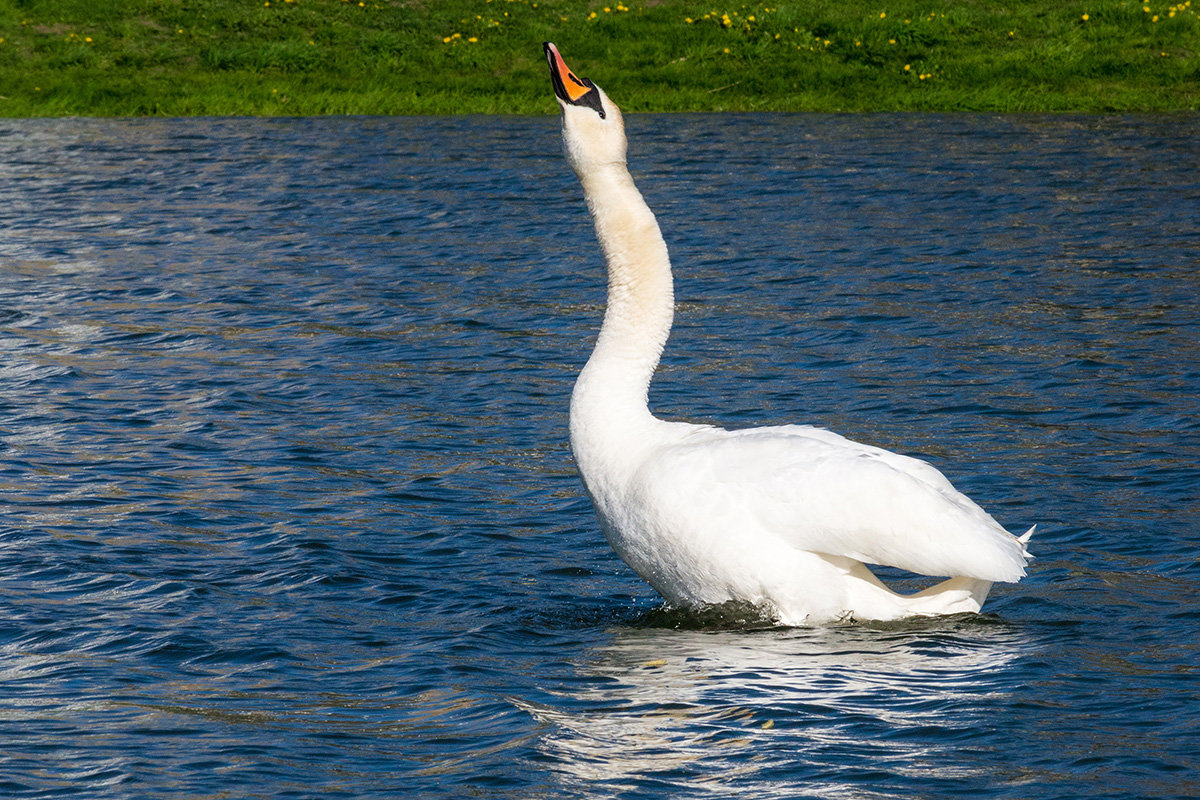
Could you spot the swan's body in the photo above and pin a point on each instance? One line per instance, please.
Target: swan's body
(783, 517)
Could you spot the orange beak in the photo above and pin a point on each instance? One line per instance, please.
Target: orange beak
(571, 87)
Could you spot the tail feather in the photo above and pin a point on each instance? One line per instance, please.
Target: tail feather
(1024, 540)
(961, 595)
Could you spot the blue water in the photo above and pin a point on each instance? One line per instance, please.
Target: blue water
(288, 509)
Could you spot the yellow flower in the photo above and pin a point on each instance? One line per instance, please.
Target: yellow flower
(86, 39)
(882, 14)
(1085, 17)
(688, 20)
(751, 18)
(1154, 18)
(473, 39)
(907, 67)
(726, 50)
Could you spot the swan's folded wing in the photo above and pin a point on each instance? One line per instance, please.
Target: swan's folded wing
(823, 493)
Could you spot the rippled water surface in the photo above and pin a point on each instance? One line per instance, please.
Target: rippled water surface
(288, 509)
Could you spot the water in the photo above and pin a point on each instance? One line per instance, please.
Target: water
(288, 509)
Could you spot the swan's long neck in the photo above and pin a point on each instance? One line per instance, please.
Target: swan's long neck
(609, 403)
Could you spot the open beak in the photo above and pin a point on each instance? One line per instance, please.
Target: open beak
(567, 87)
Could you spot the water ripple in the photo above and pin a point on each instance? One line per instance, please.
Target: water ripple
(287, 508)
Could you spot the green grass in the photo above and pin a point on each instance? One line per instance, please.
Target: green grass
(301, 57)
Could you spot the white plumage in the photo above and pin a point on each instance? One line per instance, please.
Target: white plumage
(785, 517)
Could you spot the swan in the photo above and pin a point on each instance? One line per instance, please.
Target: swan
(786, 517)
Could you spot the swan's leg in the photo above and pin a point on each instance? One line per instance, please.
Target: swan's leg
(961, 595)
(869, 598)
(865, 596)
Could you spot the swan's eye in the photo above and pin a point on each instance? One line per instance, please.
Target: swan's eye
(591, 98)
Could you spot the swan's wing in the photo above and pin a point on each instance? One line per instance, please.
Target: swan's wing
(823, 493)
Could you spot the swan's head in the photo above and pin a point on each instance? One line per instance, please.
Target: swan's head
(593, 131)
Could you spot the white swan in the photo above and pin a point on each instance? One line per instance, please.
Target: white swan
(782, 517)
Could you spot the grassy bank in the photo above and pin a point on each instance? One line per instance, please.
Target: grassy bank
(217, 57)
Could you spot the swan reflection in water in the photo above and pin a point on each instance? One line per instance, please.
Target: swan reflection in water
(717, 709)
